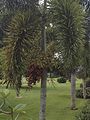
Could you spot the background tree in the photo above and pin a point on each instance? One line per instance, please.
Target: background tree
(19, 40)
(69, 18)
(8, 9)
(85, 72)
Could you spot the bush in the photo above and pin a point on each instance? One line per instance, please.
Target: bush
(84, 113)
(81, 85)
(13, 111)
(61, 80)
(87, 83)
(79, 93)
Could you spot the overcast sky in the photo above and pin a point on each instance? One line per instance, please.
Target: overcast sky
(41, 1)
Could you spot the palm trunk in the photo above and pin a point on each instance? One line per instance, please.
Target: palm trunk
(20, 80)
(17, 90)
(18, 85)
(84, 89)
(42, 114)
(73, 91)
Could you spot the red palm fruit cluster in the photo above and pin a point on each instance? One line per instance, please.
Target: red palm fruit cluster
(34, 74)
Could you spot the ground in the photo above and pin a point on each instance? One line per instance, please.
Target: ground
(58, 102)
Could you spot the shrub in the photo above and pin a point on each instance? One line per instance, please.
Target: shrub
(13, 111)
(79, 93)
(84, 113)
(81, 85)
(87, 83)
(61, 80)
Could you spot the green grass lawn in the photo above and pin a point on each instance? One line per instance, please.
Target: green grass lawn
(58, 102)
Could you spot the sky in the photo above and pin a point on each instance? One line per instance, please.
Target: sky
(41, 1)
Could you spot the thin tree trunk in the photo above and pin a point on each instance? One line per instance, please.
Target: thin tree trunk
(18, 85)
(20, 80)
(42, 114)
(73, 91)
(84, 89)
(17, 90)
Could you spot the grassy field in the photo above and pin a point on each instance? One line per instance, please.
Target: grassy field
(58, 102)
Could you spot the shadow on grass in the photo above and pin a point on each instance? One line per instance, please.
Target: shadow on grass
(28, 88)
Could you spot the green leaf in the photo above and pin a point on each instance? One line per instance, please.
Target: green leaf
(19, 107)
(5, 93)
(17, 117)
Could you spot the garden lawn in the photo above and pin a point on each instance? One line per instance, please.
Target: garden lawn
(58, 102)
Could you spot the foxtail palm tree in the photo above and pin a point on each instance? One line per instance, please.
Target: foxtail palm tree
(68, 19)
(18, 42)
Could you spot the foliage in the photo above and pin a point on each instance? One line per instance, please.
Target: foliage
(56, 95)
(14, 112)
(20, 4)
(85, 71)
(21, 37)
(86, 52)
(61, 80)
(8, 8)
(85, 112)
(68, 17)
(86, 4)
(39, 62)
(87, 83)
(79, 93)
(34, 74)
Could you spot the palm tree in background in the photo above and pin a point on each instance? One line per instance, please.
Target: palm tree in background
(18, 41)
(69, 18)
(85, 72)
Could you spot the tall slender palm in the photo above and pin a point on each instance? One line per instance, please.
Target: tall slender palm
(8, 8)
(42, 115)
(85, 71)
(68, 19)
(86, 54)
(19, 40)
